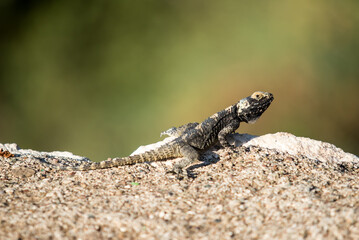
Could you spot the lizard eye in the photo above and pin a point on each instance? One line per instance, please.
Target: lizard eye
(257, 95)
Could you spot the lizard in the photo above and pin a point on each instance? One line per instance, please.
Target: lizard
(192, 137)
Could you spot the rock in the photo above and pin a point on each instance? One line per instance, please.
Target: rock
(23, 172)
(274, 188)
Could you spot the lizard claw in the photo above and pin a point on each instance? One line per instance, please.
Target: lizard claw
(178, 171)
(232, 149)
(179, 175)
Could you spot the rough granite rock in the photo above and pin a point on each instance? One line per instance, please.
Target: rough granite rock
(277, 186)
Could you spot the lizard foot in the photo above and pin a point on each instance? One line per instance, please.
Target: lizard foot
(231, 148)
(180, 173)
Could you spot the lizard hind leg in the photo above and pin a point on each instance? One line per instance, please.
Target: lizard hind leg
(190, 156)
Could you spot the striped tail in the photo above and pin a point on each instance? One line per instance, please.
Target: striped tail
(162, 153)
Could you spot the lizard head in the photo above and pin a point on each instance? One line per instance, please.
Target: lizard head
(249, 109)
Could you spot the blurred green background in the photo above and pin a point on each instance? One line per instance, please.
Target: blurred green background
(100, 78)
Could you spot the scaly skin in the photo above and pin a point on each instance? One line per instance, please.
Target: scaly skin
(192, 137)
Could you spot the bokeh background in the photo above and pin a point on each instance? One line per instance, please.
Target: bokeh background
(100, 78)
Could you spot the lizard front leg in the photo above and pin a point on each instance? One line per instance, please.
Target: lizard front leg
(230, 128)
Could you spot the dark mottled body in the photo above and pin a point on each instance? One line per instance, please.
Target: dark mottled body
(206, 133)
(195, 136)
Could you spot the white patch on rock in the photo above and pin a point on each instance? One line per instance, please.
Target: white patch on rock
(286, 142)
(15, 149)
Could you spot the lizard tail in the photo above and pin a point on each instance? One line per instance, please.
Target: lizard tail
(162, 153)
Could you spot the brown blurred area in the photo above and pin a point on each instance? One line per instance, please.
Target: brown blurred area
(100, 78)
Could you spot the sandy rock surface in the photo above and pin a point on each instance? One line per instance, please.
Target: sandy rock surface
(275, 186)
